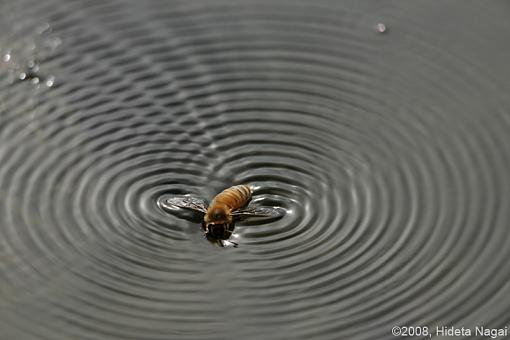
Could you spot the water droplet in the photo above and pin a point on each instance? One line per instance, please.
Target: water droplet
(7, 57)
(22, 76)
(35, 80)
(381, 28)
(50, 81)
(33, 65)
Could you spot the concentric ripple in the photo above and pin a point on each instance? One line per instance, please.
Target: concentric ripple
(389, 152)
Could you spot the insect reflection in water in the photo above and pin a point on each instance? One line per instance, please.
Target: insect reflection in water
(226, 208)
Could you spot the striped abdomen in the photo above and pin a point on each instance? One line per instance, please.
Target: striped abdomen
(234, 197)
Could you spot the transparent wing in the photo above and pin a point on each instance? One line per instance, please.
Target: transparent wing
(185, 202)
(271, 212)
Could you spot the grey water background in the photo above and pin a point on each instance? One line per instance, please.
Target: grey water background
(389, 151)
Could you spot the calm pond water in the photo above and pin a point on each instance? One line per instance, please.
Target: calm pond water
(382, 128)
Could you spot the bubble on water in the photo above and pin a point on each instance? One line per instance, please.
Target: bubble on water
(33, 65)
(35, 80)
(7, 57)
(381, 28)
(50, 81)
(23, 76)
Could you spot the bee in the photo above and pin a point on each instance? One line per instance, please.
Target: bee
(226, 208)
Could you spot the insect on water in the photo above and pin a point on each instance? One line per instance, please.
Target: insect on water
(226, 208)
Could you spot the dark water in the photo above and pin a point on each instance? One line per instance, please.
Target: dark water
(389, 151)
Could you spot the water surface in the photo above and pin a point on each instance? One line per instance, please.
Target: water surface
(389, 151)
